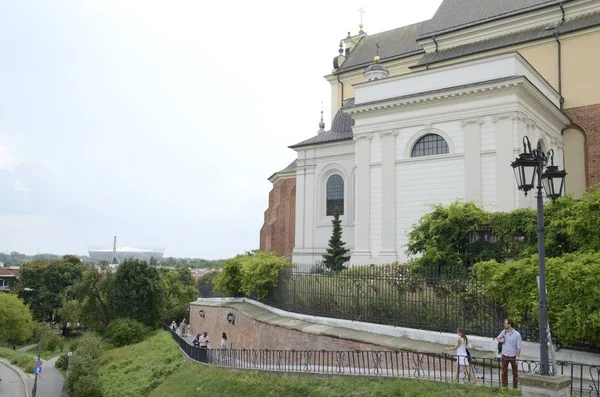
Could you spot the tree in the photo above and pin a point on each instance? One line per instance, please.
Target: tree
(336, 255)
(180, 289)
(43, 282)
(229, 281)
(136, 291)
(260, 273)
(69, 313)
(92, 294)
(16, 322)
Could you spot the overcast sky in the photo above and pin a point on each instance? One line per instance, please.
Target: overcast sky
(160, 121)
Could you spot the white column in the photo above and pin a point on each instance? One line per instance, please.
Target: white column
(300, 199)
(388, 197)
(472, 134)
(362, 229)
(505, 179)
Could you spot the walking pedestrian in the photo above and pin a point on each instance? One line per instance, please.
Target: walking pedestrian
(511, 350)
(463, 356)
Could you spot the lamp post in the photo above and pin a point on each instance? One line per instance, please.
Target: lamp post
(35, 381)
(529, 165)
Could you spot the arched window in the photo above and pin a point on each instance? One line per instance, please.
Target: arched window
(429, 145)
(335, 194)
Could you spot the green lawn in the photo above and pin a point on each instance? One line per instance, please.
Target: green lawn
(155, 368)
(23, 360)
(199, 380)
(133, 371)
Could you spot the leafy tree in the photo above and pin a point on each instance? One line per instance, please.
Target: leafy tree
(229, 281)
(16, 323)
(336, 255)
(69, 313)
(47, 337)
(180, 289)
(259, 273)
(42, 283)
(91, 292)
(136, 291)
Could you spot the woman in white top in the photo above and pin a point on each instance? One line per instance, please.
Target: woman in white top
(224, 341)
(462, 358)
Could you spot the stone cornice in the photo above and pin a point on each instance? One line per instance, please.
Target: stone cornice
(518, 85)
(388, 132)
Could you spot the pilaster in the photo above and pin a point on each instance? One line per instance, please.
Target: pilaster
(472, 134)
(505, 187)
(362, 246)
(388, 195)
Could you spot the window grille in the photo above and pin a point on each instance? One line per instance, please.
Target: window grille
(335, 194)
(430, 145)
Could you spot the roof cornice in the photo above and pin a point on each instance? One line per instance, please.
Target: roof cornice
(545, 16)
(517, 84)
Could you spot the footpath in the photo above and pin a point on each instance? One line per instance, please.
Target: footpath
(50, 381)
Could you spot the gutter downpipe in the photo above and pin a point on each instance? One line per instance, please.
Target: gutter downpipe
(342, 94)
(556, 36)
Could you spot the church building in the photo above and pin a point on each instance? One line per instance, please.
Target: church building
(437, 111)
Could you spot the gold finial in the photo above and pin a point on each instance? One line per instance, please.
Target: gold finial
(377, 58)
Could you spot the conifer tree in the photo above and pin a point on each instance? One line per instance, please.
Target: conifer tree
(336, 257)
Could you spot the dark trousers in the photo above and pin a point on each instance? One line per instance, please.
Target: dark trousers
(515, 374)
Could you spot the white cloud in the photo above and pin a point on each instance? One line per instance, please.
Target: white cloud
(8, 161)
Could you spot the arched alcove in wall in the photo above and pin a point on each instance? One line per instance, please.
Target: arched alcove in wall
(575, 182)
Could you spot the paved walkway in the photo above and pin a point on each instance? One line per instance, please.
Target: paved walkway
(50, 381)
(12, 383)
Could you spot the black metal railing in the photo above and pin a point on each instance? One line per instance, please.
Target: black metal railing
(392, 297)
(585, 379)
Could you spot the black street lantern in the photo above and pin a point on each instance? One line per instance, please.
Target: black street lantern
(529, 164)
(201, 313)
(525, 168)
(553, 180)
(231, 318)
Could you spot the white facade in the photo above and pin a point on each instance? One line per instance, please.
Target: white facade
(482, 109)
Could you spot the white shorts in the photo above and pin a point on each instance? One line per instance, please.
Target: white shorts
(462, 360)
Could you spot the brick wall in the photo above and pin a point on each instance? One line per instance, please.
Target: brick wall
(588, 119)
(277, 233)
(248, 333)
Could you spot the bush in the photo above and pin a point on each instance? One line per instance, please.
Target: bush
(260, 273)
(229, 281)
(125, 331)
(84, 367)
(573, 284)
(87, 386)
(62, 362)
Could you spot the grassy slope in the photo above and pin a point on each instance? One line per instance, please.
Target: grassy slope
(25, 360)
(155, 368)
(199, 380)
(135, 370)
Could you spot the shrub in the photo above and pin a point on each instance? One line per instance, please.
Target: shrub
(125, 331)
(260, 273)
(229, 281)
(84, 367)
(62, 362)
(573, 284)
(87, 386)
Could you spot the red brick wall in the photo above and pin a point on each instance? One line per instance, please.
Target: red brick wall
(248, 333)
(277, 233)
(587, 118)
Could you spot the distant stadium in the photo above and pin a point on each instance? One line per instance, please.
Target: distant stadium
(116, 255)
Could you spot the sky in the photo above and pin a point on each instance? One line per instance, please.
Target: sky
(160, 121)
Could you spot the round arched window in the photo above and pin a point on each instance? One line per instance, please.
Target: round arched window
(430, 145)
(335, 194)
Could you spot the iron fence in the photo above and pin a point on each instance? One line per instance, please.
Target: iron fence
(585, 379)
(395, 297)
